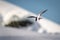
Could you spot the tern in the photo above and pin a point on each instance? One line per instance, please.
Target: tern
(39, 15)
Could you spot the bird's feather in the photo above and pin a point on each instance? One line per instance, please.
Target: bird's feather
(31, 17)
(42, 12)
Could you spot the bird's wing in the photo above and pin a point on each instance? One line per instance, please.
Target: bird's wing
(31, 17)
(42, 12)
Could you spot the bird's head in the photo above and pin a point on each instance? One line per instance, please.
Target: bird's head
(39, 18)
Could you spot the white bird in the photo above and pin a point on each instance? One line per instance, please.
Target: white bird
(39, 15)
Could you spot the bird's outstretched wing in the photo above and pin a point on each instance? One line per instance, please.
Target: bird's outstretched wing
(43, 12)
(31, 17)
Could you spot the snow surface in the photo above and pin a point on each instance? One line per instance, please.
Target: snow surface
(20, 34)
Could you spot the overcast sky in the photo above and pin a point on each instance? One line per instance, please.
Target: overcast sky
(35, 6)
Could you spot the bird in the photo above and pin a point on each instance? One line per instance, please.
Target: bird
(38, 17)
